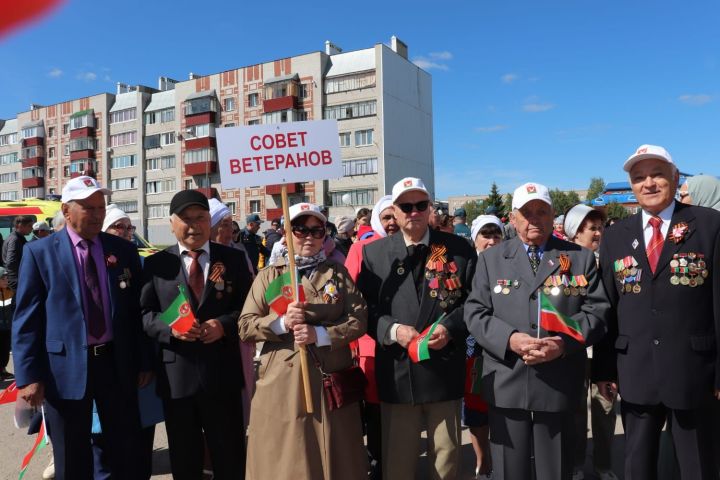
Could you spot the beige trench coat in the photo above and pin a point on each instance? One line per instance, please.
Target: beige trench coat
(283, 441)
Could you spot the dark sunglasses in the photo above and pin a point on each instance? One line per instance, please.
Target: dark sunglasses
(120, 226)
(301, 231)
(419, 206)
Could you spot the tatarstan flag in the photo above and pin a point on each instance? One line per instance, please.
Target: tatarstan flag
(418, 348)
(40, 442)
(179, 316)
(279, 293)
(554, 321)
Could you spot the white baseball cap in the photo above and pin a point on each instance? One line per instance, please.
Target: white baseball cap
(647, 151)
(43, 226)
(80, 188)
(408, 184)
(300, 209)
(530, 191)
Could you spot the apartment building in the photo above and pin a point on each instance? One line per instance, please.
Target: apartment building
(147, 143)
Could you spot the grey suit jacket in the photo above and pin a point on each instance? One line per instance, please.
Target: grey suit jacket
(492, 317)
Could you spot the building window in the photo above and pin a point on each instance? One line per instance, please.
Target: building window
(9, 158)
(124, 161)
(254, 206)
(300, 115)
(167, 138)
(253, 99)
(32, 132)
(160, 210)
(351, 110)
(66, 128)
(51, 152)
(362, 166)
(66, 149)
(66, 171)
(229, 125)
(10, 196)
(130, 206)
(125, 138)
(200, 105)
(229, 104)
(232, 206)
(161, 163)
(37, 192)
(78, 144)
(350, 82)
(200, 155)
(8, 139)
(33, 172)
(345, 139)
(160, 116)
(357, 197)
(188, 185)
(51, 173)
(254, 122)
(200, 131)
(123, 183)
(51, 132)
(123, 115)
(279, 89)
(82, 121)
(303, 89)
(31, 152)
(82, 166)
(363, 138)
(160, 186)
(11, 177)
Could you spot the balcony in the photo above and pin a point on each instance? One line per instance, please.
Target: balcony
(33, 182)
(84, 166)
(200, 119)
(201, 168)
(33, 162)
(209, 192)
(82, 132)
(291, 188)
(82, 154)
(196, 143)
(33, 142)
(288, 102)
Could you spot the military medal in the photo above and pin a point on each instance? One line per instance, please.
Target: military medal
(330, 292)
(124, 279)
(216, 275)
(442, 279)
(675, 280)
(498, 288)
(678, 232)
(400, 269)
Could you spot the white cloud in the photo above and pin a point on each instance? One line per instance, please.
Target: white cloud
(491, 129)
(87, 76)
(509, 77)
(696, 99)
(434, 60)
(55, 73)
(107, 78)
(538, 107)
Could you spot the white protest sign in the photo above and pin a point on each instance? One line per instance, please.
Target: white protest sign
(278, 153)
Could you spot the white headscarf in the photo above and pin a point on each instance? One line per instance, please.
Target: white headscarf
(381, 205)
(218, 211)
(574, 219)
(481, 221)
(112, 215)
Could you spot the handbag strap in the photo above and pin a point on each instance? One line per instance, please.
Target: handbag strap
(311, 349)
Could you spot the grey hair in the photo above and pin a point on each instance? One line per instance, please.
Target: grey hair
(58, 221)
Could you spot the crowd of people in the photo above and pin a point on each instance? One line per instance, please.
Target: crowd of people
(405, 319)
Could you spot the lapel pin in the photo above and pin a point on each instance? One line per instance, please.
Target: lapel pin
(635, 243)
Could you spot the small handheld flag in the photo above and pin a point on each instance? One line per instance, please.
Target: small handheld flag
(418, 349)
(40, 441)
(279, 293)
(179, 315)
(9, 395)
(553, 321)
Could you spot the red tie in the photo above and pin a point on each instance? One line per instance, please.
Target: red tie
(195, 277)
(655, 246)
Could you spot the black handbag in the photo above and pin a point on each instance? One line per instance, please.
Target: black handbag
(341, 388)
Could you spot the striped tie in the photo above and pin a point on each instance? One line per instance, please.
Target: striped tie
(655, 246)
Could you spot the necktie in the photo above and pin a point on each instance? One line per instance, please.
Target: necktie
(416, 255)
(656, 241)
(195, 276)
(95, 314)
(534, 256)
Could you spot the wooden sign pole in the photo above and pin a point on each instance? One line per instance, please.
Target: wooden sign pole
(294, 282)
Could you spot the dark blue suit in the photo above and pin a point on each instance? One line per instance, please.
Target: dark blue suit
(50, 346)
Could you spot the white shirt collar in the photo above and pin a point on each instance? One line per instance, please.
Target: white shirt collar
(205, 248)
(665, 215)
(425, 240)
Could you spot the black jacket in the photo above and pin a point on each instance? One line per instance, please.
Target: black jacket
(12, 251)
(187, 367)
(663, 341)
(391, 295)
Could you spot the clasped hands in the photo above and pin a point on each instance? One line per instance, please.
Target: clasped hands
(536, 350)
(295, 322)
(207, 332)
(439, 338)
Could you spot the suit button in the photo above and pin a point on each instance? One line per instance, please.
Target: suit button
(533, 326)
(656, 342)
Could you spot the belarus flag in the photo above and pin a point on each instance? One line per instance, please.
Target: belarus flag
(179, 316)
(418, 348)
(554, 321)
(279, 293)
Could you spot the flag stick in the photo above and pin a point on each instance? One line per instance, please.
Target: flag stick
(293, 285)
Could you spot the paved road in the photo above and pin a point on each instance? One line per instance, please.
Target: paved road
(15, 443)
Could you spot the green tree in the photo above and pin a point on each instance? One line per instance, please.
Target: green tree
(559, 200)
(472, 210)
(507, 204)
(494, 200)
(573, 198)
(597, 186)
(616, 211)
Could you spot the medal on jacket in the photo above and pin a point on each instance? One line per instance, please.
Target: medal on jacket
(441, 275)
(678, 232)
(216, 276)
(688, 269)
(330, 292)
(124, 279)
(628, 274)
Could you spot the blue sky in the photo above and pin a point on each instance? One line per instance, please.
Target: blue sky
(548, 91)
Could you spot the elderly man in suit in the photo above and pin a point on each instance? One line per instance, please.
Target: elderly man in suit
(659, 269)
(410, 280)
(201, 375)
(89, 345)
(536, 303)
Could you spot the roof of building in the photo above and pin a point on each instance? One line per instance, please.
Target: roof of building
(11, 126)
(123, 101)
(292, 76)
(352, 62)
(161, 101)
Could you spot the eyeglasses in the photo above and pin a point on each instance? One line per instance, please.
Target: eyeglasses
(120, 226)
(301, 231)
(419, 206)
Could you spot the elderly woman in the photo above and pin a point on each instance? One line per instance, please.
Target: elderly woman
(118, 223)
(584, 226)
(285, 441)
(701, 190)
